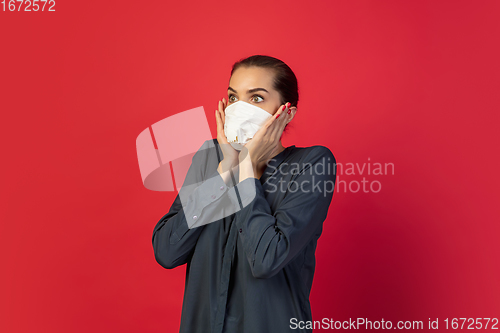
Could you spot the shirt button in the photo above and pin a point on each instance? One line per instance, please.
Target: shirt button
(222, 187)
(241, 231)
(195, 217)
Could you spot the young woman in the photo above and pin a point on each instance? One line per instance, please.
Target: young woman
(248, 231)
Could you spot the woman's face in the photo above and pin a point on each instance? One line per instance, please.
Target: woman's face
(254, 85)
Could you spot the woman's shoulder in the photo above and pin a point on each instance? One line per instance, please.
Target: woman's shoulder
(208, 147)
(314, 152)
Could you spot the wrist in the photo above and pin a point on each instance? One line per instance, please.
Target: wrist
(247, 170)
(225, 169)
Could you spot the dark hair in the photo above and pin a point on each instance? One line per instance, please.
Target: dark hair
(285, 81)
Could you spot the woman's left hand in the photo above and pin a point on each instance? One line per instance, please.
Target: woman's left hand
(263, 146)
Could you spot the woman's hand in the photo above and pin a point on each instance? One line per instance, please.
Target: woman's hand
(230, 160)
(263, 146)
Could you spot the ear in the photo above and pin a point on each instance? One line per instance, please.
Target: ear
(292, 113)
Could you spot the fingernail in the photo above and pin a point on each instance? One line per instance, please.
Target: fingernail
(289, 111)
(278, 115)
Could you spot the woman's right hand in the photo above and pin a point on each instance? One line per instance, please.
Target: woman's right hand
(231, 155)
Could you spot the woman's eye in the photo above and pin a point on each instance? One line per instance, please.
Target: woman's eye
(254, 96)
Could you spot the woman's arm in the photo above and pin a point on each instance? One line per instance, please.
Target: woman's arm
(176, 233)
(270, 239)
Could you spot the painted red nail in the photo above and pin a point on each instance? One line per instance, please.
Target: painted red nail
(289, 111)
(278, 115)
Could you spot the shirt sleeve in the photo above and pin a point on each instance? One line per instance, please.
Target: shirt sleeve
(271, 240)
(197, 204)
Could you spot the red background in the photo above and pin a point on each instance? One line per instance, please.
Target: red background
(413, 83)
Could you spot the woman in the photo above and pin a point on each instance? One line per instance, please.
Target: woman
(250, 269)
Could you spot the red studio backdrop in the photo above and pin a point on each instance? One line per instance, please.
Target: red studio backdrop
(408, 85)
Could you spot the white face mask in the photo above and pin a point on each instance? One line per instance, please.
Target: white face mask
(243, 120)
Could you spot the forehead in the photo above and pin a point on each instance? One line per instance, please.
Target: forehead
(245, 78)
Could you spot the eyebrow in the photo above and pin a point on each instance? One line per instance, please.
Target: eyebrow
(250, 91)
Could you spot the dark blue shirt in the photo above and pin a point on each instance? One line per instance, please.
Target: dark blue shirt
(250, 247)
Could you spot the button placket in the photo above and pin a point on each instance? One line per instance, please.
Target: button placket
(228, 257)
